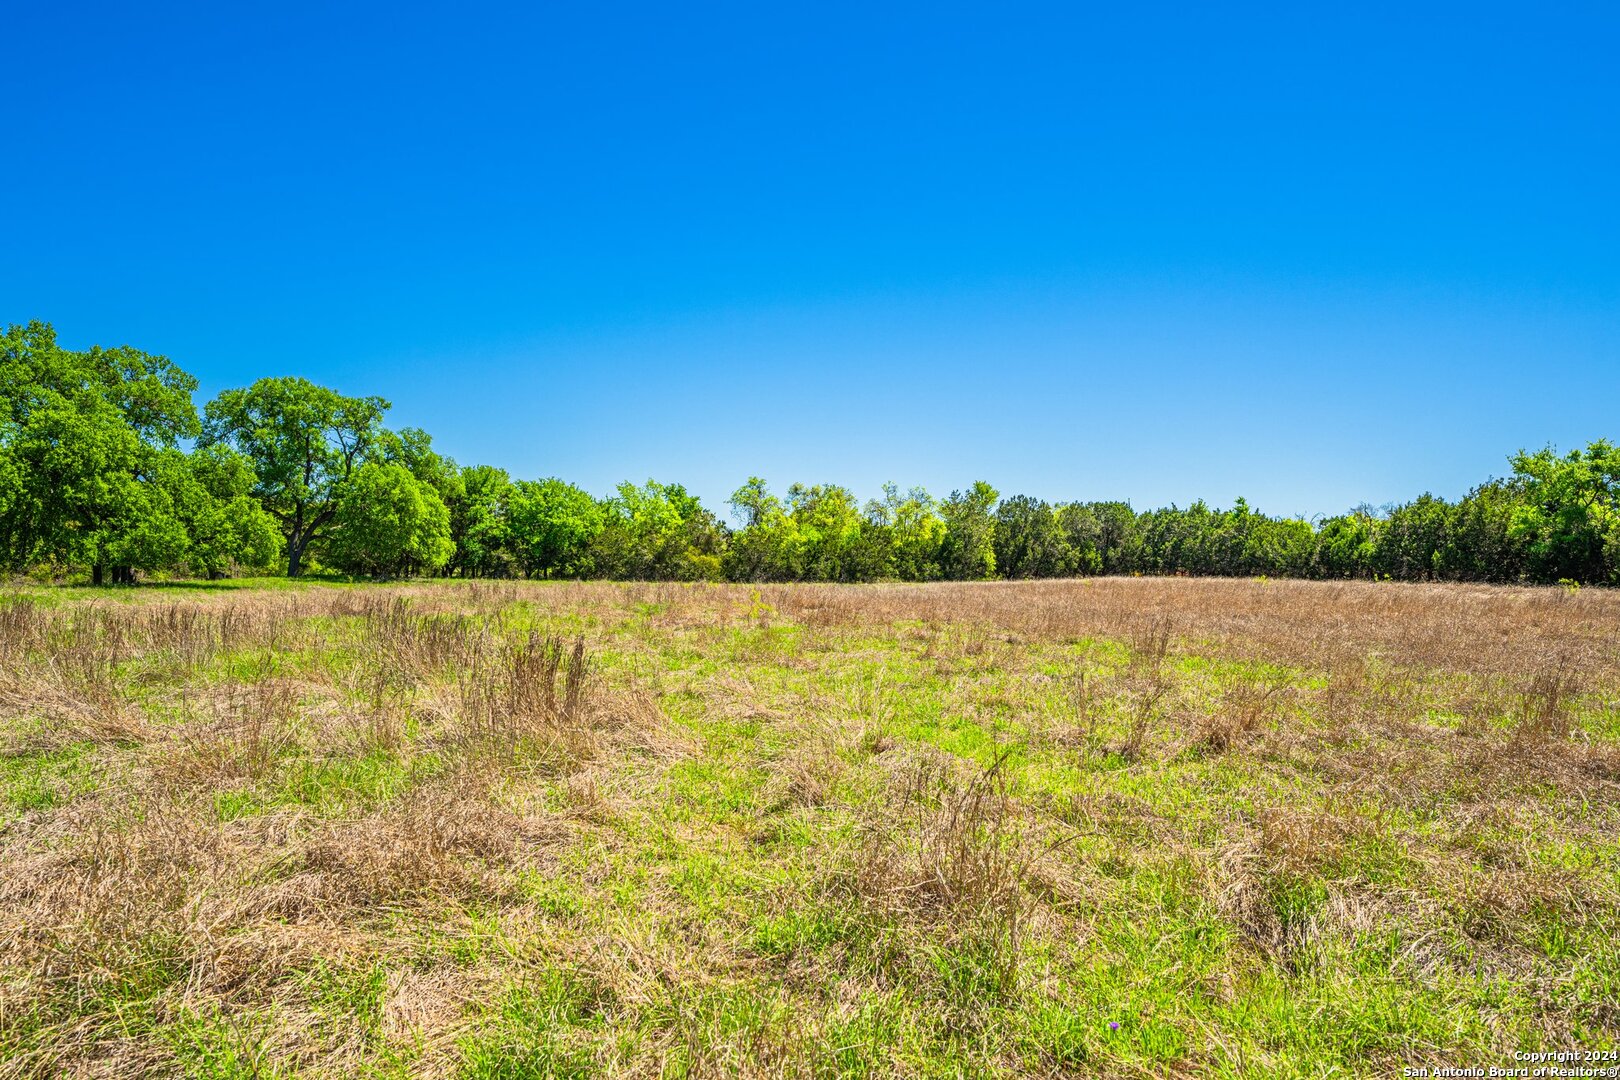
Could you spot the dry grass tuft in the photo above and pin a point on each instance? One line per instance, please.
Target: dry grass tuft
(1243, 710)
(944, 852)
(248, 732)
(531, 700)
(1543, 708)
(445, 840)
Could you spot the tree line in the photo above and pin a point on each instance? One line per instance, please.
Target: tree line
(107, 469)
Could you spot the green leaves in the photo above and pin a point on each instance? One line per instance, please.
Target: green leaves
(656, 532)
(93, 473)
(968, 550)
(388, 523)
(304, 442)
(552, 526)
(228, 527)
(1570, 517)
(480, 508)
(1029, 541)
(769, 546)
(87, 452)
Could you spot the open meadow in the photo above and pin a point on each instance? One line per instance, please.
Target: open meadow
(1118, 826)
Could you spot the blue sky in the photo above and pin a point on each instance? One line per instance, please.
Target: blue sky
(1310, 255)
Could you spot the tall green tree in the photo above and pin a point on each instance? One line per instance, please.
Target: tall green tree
(907, 532)
(1281, 547)
(767, 546)
(1483, 543)
(1083, 536)
(305, 442)
(227, 528)
(387, 523)
(1029, 542)
(1346, 545)
(1569, 520)
(967, 552)
(1119, 537)
(479, 522)
(551, 526)
(828, 520)
(657, 532)
(1413, 537)
(86, 447)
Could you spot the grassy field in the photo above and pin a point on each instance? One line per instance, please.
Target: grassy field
(1123, 827)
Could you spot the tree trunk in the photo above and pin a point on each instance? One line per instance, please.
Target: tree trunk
(295, 557)
(97, 574)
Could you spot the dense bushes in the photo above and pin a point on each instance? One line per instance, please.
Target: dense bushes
(95, 475)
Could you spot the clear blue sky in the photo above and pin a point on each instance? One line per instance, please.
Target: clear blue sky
(1310, 254)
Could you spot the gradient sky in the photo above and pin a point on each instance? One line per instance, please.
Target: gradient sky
(1315, 255)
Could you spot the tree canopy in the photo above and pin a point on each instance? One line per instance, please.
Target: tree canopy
(305, 443)
(106, 467)
(91, 470)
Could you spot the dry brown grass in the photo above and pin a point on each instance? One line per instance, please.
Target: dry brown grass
(943, 842)
(1487, 630)
(140, 901)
